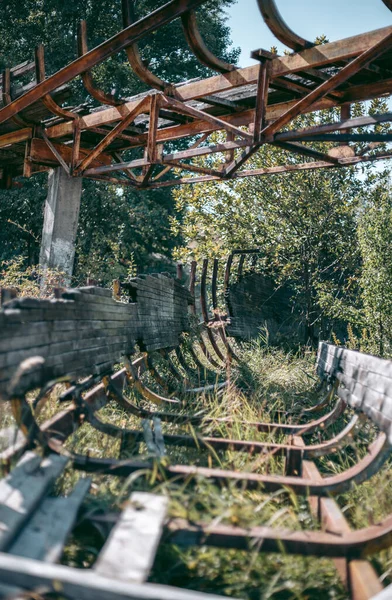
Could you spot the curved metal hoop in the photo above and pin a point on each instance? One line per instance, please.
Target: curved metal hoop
(204, 310)
(87, 78)
(279, 27)
(222, 330)
(198, 47)
(201, 342)
(7, 99)
(47, 100)
(134, 58)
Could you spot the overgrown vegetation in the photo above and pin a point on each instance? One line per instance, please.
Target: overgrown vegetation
(326, 234)
(267, 381)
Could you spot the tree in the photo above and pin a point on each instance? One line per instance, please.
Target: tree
(113, 225)
(375, 241)
(304, 223)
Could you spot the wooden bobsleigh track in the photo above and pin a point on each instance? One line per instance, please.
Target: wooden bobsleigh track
(132, 141)
(176, 337)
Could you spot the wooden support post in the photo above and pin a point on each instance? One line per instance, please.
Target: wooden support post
(261, 99)
(60, 223)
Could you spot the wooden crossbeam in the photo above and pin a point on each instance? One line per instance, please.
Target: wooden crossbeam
(298, 148)
(199, 114)
(118, 42)
(343, 125)
(40, 152)
(111, 136)
(130, 550)
(246, 129)
(44, 537)
(343, 75)
(85, 584)
(308, 166)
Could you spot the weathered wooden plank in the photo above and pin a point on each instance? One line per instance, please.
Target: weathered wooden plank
(358, 575)
(44, 536)
(23, 489)
(86, 584)
(86, 331)
(129, 552)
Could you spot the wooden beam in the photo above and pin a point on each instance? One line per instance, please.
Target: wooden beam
(308, 166)
(151, 148)
(130, 550)
(110, 168)
(284, 65)
(42, 154)
(261, 99)
(298, 148)
(111, 136)
(85, 584)
(343, 126)
(57, 154)
(343, 75)
(118, 42)
(357, 93)
(22, 490)
(202, 115)
(44, 536)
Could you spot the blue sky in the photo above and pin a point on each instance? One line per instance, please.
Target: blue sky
(309, 18)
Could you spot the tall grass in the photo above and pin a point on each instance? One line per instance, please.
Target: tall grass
(267, 381)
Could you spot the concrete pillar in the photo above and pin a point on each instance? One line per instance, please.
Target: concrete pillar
(60, 222)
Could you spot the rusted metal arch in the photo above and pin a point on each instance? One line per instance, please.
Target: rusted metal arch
(56, 109)
(192, 282)
(252, 448)
(176, 373)
(191, 372)
(279, 27)
(378, 454)
(308, 428)
(198, 47)
(355, 544)
(7, 100)
(200, 373)
(118, 42)
(145, 391)
(33, 432)
(184, 382)
(47, 100)
(204, 311)
(202, 367)
(134, 58)
(159, 379)
(87, 77)
(93, 400)
(195, 42)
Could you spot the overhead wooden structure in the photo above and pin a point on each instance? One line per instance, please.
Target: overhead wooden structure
(132, 141)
